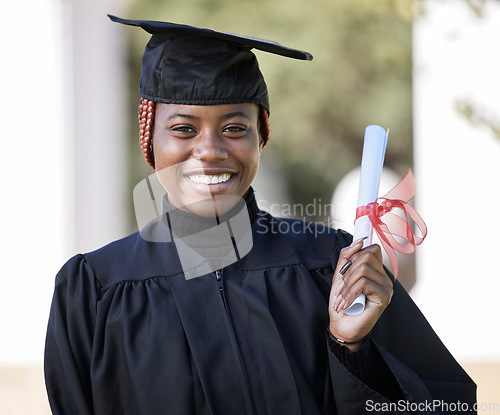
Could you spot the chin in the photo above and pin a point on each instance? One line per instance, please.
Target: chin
(209, 206)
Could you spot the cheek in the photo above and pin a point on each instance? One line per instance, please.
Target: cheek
(251, 159)
(167, 152)
(165, 162)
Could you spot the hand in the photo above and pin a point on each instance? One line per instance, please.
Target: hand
(366, 275)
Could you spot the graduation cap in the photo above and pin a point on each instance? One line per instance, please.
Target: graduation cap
(195, 66)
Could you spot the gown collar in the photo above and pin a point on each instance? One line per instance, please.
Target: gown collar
(184, 223)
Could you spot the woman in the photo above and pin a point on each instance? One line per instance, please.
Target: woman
(136, 329)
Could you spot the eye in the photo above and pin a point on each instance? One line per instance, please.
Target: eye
(183, 130)
(234, 130)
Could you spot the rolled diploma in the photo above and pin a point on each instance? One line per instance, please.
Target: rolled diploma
(372, 160)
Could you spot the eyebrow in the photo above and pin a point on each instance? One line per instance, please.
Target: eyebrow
(178, 114)
(194, 117)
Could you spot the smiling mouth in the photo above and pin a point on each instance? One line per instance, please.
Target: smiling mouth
(210, 178)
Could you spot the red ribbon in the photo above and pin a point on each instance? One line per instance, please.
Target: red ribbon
(393, 225)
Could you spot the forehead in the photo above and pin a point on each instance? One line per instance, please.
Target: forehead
(246, 110)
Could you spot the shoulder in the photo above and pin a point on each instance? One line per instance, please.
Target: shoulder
(131, 259)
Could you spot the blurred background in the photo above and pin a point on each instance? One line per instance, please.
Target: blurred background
(426, 69)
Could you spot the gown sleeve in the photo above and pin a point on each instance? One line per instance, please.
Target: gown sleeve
(369, 367)
(68, 345)
(364, 382)
(404, 349)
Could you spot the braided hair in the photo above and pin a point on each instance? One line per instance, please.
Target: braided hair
(147, 110)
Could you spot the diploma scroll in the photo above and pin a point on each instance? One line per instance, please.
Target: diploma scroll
(372, 161)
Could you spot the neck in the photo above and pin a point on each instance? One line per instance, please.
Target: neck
(183, 223)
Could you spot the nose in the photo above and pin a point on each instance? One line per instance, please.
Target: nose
(210, 147)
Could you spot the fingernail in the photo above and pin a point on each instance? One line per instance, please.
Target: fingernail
(337, 302)
(341, 305)
(339, 287)
(357, 241)
(345, 267)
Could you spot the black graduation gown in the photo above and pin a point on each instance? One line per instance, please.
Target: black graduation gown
(128, 334)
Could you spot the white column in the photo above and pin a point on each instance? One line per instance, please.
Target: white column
(62, 162)
(34, 171)
(458, 174)
(99, 123)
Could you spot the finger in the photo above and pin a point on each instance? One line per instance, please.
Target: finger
(362, 286)
(365, 270)
(367, 257)
(377, 295)
(345, 255)
(356, 273)
(376, 250)
(371, 254)
(345, 267)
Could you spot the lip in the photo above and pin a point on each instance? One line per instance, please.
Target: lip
(208, 171)
(213, 187)
(210, 179)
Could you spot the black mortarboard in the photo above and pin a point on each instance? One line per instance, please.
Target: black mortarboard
(194, 66)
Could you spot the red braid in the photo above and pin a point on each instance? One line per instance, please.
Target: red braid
(147, 110)
(146, 123)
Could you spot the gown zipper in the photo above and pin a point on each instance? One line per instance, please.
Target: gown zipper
(244, 374)
(218, 277)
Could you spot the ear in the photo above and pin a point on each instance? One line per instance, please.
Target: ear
(263, 127)
(261, 141)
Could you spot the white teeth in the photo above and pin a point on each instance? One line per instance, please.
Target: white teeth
(210, 178)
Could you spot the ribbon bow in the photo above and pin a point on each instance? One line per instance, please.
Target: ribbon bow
(393, 225)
